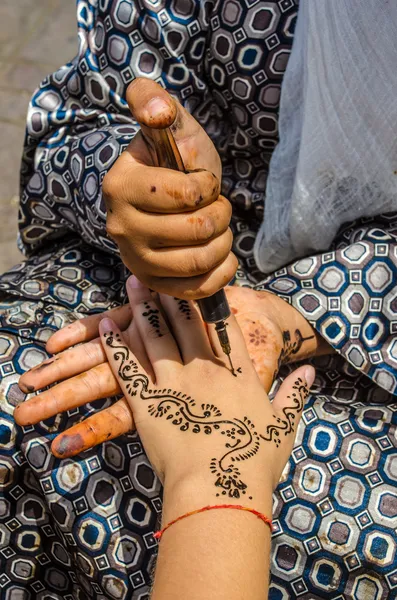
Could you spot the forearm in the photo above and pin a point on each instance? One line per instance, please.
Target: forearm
(217, 555)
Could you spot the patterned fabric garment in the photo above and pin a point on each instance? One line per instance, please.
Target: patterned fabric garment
(83, 528)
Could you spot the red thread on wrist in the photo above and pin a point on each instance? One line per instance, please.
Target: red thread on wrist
(262, 517)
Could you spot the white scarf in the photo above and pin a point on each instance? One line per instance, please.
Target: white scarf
(336, 159)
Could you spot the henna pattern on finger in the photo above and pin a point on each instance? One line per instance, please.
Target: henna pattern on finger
(241, 439)
(290, 348)
(287, 425)
(153, 316)
(184, 308)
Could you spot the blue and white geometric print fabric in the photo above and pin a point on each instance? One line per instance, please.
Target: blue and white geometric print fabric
(83, 527)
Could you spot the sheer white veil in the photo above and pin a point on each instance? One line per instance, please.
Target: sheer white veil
(336, 159)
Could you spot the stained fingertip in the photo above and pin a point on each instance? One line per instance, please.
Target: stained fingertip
(66, 445)
(26, 389)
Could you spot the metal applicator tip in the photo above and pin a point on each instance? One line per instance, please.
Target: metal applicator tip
(223, 338)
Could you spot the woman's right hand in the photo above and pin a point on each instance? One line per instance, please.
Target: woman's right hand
(172, 228)
(196, 419)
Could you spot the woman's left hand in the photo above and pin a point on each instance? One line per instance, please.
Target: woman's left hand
(191, 399)
(274, 332)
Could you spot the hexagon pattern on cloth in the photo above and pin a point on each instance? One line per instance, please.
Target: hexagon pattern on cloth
(83, 528)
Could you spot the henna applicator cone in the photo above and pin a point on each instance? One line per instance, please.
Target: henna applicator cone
(214, 309)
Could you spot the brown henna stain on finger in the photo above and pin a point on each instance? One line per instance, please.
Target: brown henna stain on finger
(198, 220)
(69, 444)
(26, 389)
(174, 193)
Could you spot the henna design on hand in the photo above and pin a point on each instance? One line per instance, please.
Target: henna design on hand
(152, 315)
(242, 441)
(257, 337)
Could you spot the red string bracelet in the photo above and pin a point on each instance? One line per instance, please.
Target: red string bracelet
(158, 534)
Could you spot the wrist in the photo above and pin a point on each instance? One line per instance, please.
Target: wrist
(191, 492)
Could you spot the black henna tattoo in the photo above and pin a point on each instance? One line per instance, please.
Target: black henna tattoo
(184, 308)
(242, 441)
(153, 316)
(287, 425)
(292, 347)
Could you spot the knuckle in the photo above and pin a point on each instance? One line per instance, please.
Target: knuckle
(227, 208)
(113, 229)
(108, 185)
(190, 193)
(204, 228)
(201, 261)
(90, 382)
(229, 239)
(214, 186)
(92, 352)
(223, 210)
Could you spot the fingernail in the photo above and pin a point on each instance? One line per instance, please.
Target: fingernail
(134, 283)
(106, 325)
(310, 375)
(156, 108)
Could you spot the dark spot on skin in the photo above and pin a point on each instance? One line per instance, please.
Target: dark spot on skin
(26, 389)
(177, 124)
(110, 210)
(199, 201)
(234, 311)
(69, 444)
(153, 188)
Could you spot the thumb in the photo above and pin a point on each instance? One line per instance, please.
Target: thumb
(153, 106)
(290, 399)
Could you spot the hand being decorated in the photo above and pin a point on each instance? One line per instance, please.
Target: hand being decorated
(274, 333)
(194, 417)
(182, 395)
